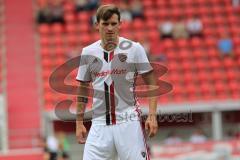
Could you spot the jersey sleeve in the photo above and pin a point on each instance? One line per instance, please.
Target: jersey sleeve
(83, 73)
(142, 63)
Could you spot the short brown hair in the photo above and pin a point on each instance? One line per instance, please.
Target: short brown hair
(105, 12)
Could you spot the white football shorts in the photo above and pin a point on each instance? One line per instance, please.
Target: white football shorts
(125, 141)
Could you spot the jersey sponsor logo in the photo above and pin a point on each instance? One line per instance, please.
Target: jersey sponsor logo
(114, 71)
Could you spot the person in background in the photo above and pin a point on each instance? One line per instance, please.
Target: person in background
(52, 145)
(225, 45)
(194, 27)
(64, 145)
(44, 14)
(86, 5)
(166, 28)
(172, 139)
(51, 12)
(57, 11)
(125, 11)
(136, 9)
(236, 3)
(198, 137)
(179, 29)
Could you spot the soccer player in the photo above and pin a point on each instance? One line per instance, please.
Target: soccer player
(111, 65)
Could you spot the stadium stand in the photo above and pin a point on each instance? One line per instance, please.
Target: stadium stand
(24, 128)
(1, 43)
(194, 65)
(197, 72)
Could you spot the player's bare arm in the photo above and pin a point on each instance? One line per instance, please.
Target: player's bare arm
(81, 132)
(151, 123)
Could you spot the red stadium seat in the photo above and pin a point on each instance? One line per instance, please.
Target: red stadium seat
(204, 77)
(153, 35)
(44, 29)
(72, 39)
(85, 39)
(69, 7)
(45, 41)
(232, 75)
(168, 43)
(219, 75)
(83, 28)
(125, 26)
(213, 53)
(186, 65)
(151, 24)
(147, 4)
(83, 17)
(60, 51)
(196, 42)
(149, 13)
(139, 35)
(162, 13)
(210, 42)
(202, 65)
(57, 28)
(58, 40)
(229, 63)
(69, 17)
(192, 92)
(184, 54)
(71, 28)
(182, 43)
(137, 24)
(44, 52)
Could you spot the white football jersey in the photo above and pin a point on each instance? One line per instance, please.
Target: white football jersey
(113, 75)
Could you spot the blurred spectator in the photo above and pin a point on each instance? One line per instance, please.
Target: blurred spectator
(52, 145)
(43, 145)
(156, 52)
(229, 135)
(225, 45)
(57, 11)
(172, 139)
(166, 29)
(63, 156)
(44, 14)
(125, 10)
(235, 3)
(86, 5)
(51, 12)
(64, 145)
(179, 29)
(81, 5)
(136, 9)
(195, 27)
(198, 137)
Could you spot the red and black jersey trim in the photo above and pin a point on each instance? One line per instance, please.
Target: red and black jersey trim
(106, 88)
(110, 104)
(113, 107)
(106, 54)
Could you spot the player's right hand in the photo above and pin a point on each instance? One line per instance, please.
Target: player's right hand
(81, 133)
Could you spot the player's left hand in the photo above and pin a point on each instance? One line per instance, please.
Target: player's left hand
(151, 125)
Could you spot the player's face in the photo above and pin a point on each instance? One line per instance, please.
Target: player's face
(109, 30)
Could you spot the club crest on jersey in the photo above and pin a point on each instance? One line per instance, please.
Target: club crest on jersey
(143, 154)
(122, 57)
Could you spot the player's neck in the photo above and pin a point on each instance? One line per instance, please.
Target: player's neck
(109, 45)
